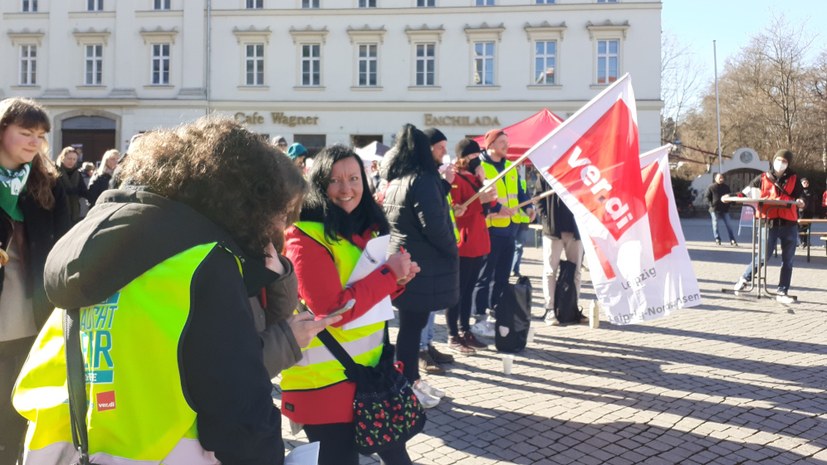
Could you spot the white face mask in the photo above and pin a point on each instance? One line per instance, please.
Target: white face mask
(779, 165)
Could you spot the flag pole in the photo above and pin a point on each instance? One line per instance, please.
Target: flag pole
(489, 183)
(717, 103)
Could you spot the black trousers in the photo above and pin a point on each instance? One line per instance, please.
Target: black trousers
(12, 425)
(338, 446)
(469, 270)
(411, 323)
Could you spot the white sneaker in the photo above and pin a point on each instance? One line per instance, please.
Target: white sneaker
(425, 399)
(740, 285)
(430, 390)
(784, 299)
(483, 328)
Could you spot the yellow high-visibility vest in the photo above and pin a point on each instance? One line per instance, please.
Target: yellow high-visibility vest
(318, 368)
(137, 409)
(506, 193)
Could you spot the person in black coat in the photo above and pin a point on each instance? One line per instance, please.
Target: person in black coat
(418, 213)
(72, 181)
(33, 216)
(719, 209)
(103, 175)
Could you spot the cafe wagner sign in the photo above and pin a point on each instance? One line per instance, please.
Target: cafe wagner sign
(460, 120)
(277, 118)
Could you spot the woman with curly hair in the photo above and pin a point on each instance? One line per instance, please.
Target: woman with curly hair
(338, 218)
(418, 212)
(174, 365)
(33, 215)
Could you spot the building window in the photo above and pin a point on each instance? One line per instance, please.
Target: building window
(545, 61)
(29, 6)
(368, 62)
(311, 65)
(28, 65)
(484, 63)
(254, 64)
(310, 3)
(545, 2)
(160, 64)
(485, 2)
(606, 1)
(607, 61)
(425, 64)
(94, 65)
(255, 4)
(367, 3)
(423, 3)
(162, 4)
(94, 5)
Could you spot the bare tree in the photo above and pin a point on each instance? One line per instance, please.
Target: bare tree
(679, 84)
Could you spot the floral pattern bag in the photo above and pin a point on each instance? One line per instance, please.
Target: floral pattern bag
(386, 412)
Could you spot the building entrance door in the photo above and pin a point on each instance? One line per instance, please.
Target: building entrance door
(93, 135)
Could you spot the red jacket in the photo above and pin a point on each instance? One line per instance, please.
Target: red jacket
(770, 190)
(473, 233)
(321, 289)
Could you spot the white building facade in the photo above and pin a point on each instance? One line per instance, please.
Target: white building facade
(323, 71)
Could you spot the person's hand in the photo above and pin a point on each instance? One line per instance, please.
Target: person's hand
(531, 214)
(506, 211)
(305, 327)
(800, 203)
(459, 209)
(488, 195)
(448, 173)
(400, 264)
(414, 270)
(271, 259)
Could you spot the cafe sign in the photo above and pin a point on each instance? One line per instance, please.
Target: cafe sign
(276, 118)
(460, 120)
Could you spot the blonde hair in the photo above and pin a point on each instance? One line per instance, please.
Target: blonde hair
(63, 153)
(111, 153)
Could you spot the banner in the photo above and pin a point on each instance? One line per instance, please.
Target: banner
(674, 285)
(591, 161)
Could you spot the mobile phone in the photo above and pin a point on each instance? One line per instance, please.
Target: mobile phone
(349, 305)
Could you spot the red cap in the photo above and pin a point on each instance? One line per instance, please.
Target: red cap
(491, 136)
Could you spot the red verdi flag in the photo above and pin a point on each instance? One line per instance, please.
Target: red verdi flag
(591, 161)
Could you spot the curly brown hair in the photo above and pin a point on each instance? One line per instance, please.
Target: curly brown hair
(223, 171)
(31, 115)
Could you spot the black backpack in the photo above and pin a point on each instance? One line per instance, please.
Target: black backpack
(513, 313)
(565, 295)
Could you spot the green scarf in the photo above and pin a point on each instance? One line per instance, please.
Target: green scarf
(12, 184)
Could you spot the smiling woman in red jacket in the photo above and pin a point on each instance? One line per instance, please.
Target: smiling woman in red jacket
(338, 218)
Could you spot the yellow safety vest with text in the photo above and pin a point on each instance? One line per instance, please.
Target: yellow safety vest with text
(506, 193)
(137, 412)
(318, 368)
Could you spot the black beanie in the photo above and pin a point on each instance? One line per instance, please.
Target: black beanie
(785, 154)
(467, 147)
(435, 135)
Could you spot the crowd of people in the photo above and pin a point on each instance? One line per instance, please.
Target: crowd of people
(212, 259)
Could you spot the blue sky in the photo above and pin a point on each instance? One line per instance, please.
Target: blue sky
(731, 23)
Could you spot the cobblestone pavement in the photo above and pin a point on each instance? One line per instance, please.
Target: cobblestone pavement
(736, 380)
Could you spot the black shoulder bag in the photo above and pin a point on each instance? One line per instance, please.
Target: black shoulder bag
(76, 380)
(386, 412)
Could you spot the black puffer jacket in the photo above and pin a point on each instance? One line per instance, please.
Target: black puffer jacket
(417, 210)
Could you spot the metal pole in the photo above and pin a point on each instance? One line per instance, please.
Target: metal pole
(208, 58)
(717, 103)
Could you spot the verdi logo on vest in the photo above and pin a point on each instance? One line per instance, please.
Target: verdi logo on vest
(106, 401)
(96, 340)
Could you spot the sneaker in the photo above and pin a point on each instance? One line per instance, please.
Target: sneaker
(458, 345)
(733, 243)
(784, 298)
(430, 390)
(717, 241)
(427, 400)
(551, 320)
(483, 329)
(740, 285)
(428, 364)
(438, 356)
(472, 341)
